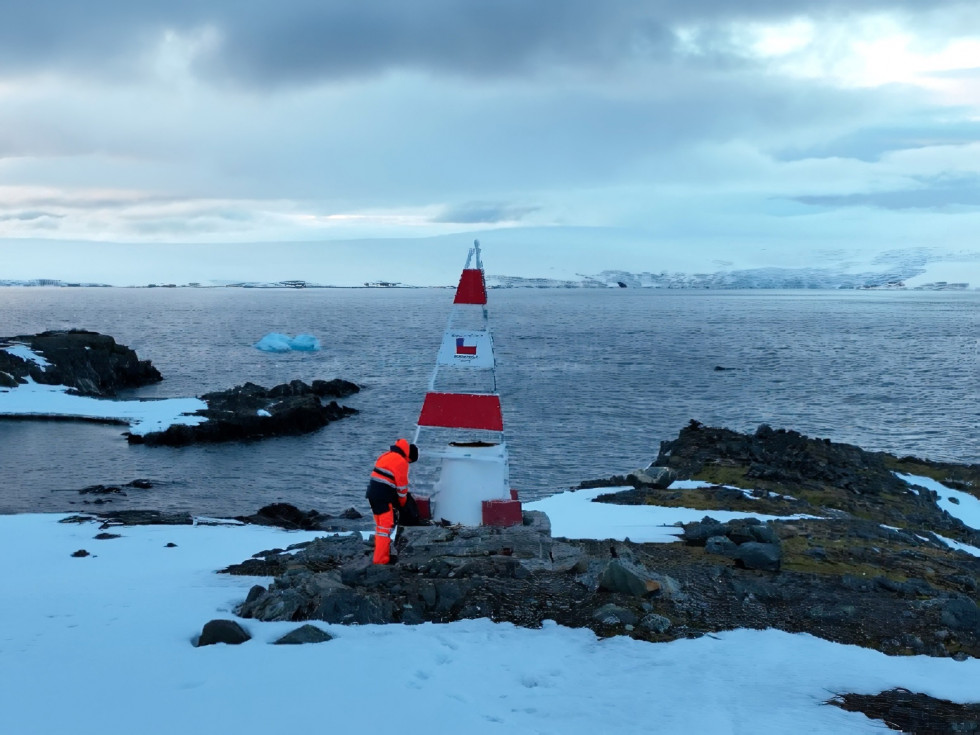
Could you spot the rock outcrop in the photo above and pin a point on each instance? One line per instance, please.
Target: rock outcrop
(250, 411)
(856, 560)
(92, 364)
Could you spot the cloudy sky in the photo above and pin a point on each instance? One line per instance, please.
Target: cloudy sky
(692, 133)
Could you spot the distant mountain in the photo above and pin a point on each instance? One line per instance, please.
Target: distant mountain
(752, 278)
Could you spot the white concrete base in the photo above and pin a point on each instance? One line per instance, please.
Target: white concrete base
(468, 476)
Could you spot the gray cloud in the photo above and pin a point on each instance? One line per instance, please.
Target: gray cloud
(484, 213)
(308, 40)
(28, 216)
(870, 143)
(939, 193)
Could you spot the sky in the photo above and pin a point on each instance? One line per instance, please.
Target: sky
(109, 638)
(704, 133)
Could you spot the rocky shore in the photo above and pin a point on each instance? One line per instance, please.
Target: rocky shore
(250, 411)
(93, 365)
(90, 363)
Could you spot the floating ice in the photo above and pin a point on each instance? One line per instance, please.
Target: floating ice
(278, 342)
(305, 343)
(274, 342)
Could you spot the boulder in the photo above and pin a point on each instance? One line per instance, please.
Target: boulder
(222, 631)
(653, 476)
(698, 533)
(627, 579)
(962, 614)
(614, 615)
(304, 634)
(753, 555)
(656, 623)
(721, 545)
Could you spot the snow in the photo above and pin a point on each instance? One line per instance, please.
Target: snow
(954, 544)
(26, 353)
(278, 342)
(696, 484)
(34, 399)
(103, 645)
(262, 412)
(574, 515)
(967, 509)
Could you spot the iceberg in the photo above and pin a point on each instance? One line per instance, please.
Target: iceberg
(305, 343)
(274, 342)
(277, 342)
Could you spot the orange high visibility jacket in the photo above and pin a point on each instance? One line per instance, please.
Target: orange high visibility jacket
(392, 469)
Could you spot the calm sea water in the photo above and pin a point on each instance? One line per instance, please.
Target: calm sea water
(591, 382)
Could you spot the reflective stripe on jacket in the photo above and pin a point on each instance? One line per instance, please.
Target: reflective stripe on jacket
(392, 469)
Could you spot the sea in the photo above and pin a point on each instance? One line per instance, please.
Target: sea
(591, 382)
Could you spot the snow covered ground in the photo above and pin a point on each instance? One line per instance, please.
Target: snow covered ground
(573, 515)
(35, 399)
(955, 502)
(102, 645)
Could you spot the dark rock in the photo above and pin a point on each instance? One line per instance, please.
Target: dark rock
(146, 518)
(80, 553)
(352, 607)
(779, 456)
(833, 613)
(106, 536)
(618, 578)
(90, 363)
(232, 415)
(284, 515)
(960, 613)
(913, 712)
(222, 631)
(141, 484)
(351, 514)
(764, 533)
(335, 388)
(614, 615)
(100, 490)
(652, 476)
(254, 593)
(304, 634)
(656, 623)
(721, 545)
(698, 533)
(753, 555)
(170, 545)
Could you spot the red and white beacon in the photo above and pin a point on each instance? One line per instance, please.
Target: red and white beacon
(461, 413)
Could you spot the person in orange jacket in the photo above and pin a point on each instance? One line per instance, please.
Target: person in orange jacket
(388, 490)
